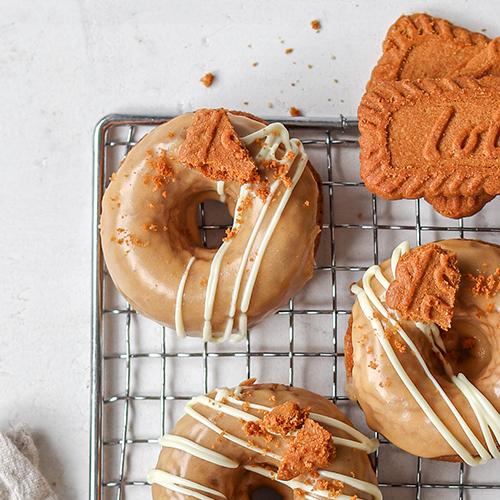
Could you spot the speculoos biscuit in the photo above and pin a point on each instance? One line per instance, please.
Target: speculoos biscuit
(433, 138)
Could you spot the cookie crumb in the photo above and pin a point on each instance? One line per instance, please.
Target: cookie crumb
(294, 111)
(248, 382)
(207, 79)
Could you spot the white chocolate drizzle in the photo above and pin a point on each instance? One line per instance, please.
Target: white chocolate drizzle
(225, 395)
(486, 414)
(179, 323)
(275, 135)
(220, 191)
(176, 483)
(184, 444)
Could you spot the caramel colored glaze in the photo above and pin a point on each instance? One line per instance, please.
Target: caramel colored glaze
(239, 483)
(149, 235)
(473, 347)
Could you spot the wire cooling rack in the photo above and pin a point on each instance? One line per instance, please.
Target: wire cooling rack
(142, 374)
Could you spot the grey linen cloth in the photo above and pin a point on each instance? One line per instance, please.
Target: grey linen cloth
(20, 478)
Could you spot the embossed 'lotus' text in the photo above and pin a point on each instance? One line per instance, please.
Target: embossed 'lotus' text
(466, 141)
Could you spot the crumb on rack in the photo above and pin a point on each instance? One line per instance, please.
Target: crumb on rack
(315, 25)
(294, 111)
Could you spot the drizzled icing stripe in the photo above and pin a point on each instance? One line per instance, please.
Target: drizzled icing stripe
(244, 260)
(195, 449)
(364, 443)
(247, 294)
(170, 481)
(213, 277)
(176, 483)
(275, 135)
(484, 411)
(220, 191)
(213, 281)
(179, 323)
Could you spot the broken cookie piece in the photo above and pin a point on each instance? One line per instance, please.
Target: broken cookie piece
(213, 148)
(426, 284)
(312, 449)
(285, 419)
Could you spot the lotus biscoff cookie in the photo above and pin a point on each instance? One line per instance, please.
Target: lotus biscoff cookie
(433, 138)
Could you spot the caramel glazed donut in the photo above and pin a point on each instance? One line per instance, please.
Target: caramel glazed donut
(151, 241)
(234, 441)
(433, 392)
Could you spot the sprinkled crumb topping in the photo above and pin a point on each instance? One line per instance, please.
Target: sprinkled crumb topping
(486, 285)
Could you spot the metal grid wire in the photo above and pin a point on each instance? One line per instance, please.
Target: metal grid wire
(142, 375)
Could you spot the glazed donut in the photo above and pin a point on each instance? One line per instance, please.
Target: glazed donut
(150, 237)
(432, 390)
(232, 442)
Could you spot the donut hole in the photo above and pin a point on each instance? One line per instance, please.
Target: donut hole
(265, 494)
(468, 348)
(213, 219)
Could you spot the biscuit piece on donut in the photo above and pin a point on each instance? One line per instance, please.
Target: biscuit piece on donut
(425, 286)
(150, 236)
(422, 46)
(232, 442)
(436, 139)
(433, 393)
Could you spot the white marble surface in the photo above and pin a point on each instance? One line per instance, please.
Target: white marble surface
(65, 65)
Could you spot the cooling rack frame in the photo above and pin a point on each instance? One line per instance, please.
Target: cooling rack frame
(333, 133)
